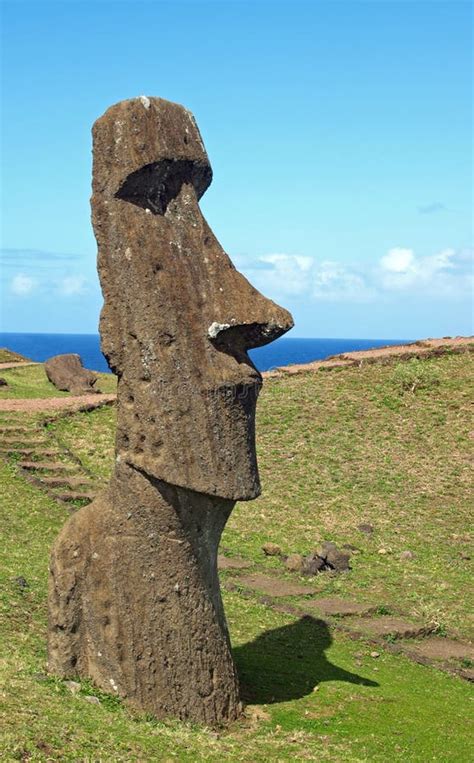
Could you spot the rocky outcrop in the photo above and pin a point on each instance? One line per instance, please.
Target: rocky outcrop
(134, 598)
(68, 374)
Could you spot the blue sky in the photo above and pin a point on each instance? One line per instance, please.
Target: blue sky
(339, 134)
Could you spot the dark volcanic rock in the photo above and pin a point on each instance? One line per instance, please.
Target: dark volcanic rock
(3, 382)
(337, 560)
(68, 374)
(312, 564)
(176, 326)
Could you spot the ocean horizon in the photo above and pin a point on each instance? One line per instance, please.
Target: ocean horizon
(282, 352)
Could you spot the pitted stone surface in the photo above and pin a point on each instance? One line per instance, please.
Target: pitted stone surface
(68, 374)
(134, 592)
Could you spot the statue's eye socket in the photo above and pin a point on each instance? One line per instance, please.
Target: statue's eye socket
(154, 185)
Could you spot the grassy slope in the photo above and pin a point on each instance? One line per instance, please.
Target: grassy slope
(364, 709)
(32, 382)
(8, 356)
(343, 447)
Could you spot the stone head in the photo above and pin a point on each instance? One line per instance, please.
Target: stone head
(178, 318)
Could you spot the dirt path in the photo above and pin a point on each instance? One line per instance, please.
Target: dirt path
(78, 403)
(357, 357)
(17, 364)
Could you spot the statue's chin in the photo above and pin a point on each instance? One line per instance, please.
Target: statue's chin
(241, 485)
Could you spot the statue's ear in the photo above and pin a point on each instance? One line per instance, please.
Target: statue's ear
(111, 342)
(154, 185)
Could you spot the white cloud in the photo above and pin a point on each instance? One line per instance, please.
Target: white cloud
(445, 273)
(335, 282)
(71, 285)
(398, 260)
(22, 285)
(282, 273)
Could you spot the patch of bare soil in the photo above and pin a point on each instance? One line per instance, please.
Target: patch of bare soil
(339, 607)
(443, 649)
(390, 626)
(17, 364)
(273, 586)
(74, 402)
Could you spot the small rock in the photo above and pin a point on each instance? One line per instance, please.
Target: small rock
(294, 563)
(407, 555)
(73, 686)
(351, 548)
(312, 564)
(21, 582)
(326, 546)
(365, 528)
(382, 551)
(92, 700)
(271, 549)
(375, 654)
(3, 382)
(337, 560)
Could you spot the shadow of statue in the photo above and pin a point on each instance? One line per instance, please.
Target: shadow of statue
(288, 662)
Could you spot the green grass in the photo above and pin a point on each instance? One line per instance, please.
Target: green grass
(343, 447)
(8, 356)
(362, 709)
(32, 382)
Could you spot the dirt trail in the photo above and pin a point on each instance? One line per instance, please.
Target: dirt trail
(357, 357)
(17, 364)
(79, 402)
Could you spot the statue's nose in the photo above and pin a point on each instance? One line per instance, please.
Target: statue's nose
(250, 320)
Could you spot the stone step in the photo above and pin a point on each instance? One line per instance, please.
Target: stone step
(21, 441)
(272, 586)
(29, 452)
(50, 466)
(387, 626)
(71, 482)
(12, 429)
(339, 607)
(75, 496)
(437, 648)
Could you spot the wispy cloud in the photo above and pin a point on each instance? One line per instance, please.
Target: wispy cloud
(21, 285)
(36, 258)
(72, 285)
(431, 209)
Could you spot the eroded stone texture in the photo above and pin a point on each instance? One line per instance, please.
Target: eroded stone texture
(134, 594)
(67, 373)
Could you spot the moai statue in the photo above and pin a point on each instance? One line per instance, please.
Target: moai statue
(134, 598)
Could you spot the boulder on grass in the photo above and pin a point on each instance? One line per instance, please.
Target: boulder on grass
(68, 374)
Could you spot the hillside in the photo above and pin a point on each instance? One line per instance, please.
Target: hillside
(373, 457)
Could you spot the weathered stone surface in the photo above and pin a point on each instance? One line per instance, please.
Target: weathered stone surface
(294, 562)
(312, 564)
(337, 560)
(134, 599)
(187, 388)
(271, 549)
(68, 374)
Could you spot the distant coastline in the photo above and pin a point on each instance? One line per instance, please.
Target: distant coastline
(285, 351)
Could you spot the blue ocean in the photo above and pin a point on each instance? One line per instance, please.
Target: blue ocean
(282, 352)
